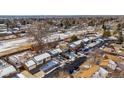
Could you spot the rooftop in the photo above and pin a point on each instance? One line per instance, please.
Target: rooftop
(29, 63)
(42, 56)
(87, 73)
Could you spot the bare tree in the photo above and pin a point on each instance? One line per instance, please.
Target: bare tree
(38, 31)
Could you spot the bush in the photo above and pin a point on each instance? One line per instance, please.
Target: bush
(106, 34)
(74, 38)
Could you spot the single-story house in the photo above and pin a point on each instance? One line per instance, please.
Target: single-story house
(88, 73)
(29, 65)
(49, 66)
(55, 52)
(108, 64)
(41, 58)
(6, 70)
(94, 71)
(76, 45)
(101, 73)
(70, 55)
(86, 40)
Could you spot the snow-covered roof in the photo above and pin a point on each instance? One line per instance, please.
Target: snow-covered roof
(112, 38)
(72, 45)
(6, 71)
(92, 44)
(77, 42)
(42, 56)
(20, 75)
(59, 50)
(85, 39)
(56, 51)
(29, 63)
(50, 65)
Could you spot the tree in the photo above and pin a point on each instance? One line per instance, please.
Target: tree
(120, 38)
(38, 33)
(74, 38)
(106, 34)
(115, 32)
(118, 27)
(91, 23)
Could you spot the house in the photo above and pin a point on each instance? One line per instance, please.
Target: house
(101, 73)
(88, 73)
(114, 58)
(63, 46)
(108, 64)
(91, 45)
(72, 47)
(86, 40)
(40, 59)
(94, 71)
(29, 65)
(121, 65)
(3, 29)
(69, 55)
(49, 66)
(106, 49)
(55, 52)
(20, 75)
(76, 45)
(113, 39)
(6, 70)
(14, 60)
(19, 58)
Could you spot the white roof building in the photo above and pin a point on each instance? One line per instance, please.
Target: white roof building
(30, 64)
(7, 71)
(77, 42)
(112, 65)
(108, 64)
(56, 51)
(41, 58)
(20, 75)
(86, 39)
(101, 73)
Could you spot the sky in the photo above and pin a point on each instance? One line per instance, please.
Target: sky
(61, 7)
